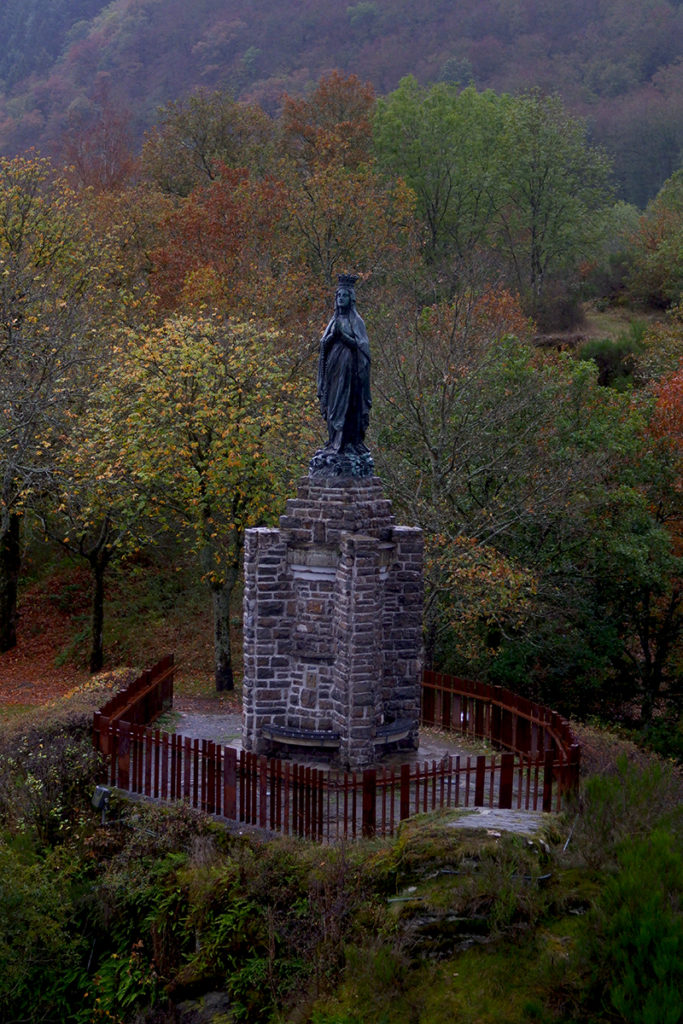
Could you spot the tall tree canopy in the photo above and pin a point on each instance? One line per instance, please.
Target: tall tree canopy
(52, 319)
(211, 432)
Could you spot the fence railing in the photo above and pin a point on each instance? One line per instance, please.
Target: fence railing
(482, 711)
(141, 702)
(536, 773)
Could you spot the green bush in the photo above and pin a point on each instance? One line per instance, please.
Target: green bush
(47, 779)
(42, 950)
(665, 736)
(634, 935)
(628, 802)
(616, 358)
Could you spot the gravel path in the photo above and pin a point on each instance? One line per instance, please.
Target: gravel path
(226, 728)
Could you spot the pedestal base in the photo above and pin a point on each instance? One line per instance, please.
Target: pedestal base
(333, 625)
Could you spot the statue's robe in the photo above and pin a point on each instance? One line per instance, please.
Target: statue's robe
(344, 380)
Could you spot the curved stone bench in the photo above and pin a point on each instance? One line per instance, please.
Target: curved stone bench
(392, 732)
(302, 737)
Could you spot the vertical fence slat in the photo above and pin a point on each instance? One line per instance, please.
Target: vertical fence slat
(147, 785)
(507, 768)
(492, 778)
(164, 766)
(173, 760)
(321, 787)
(273, 794)
(369, 802)
(285, 798)
(254, 788)
(263, 792)
(218, 779)
(404, 811)
(354, 803)
(548, 780)
(480, 777)
(230, 783)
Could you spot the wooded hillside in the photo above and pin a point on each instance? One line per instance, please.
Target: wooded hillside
(616, 63)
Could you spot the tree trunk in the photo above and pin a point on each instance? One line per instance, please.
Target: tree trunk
(10, 563)
(221, 596)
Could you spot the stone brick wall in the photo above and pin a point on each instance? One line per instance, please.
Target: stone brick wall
(333, 623)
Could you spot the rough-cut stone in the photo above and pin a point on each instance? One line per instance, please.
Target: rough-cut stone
(333, 621)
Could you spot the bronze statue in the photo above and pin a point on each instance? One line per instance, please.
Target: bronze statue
(344, 375)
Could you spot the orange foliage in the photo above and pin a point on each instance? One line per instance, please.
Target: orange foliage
(219, 246)
(470, 326)
(498, 313)
(667, 420)
(334, 125)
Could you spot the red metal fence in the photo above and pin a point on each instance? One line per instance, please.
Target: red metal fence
(536, 774)
(143, 700)
(482, 711)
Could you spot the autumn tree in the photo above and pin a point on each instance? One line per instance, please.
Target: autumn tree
(197, 136)
(212, 431)
(225, 246)
(333, 125)
(520, 470)
(98, 142)
(554, 183)
(341, 214)
(92, 505)
(654, 601)
(52, 315)
(272, 245)
(656, 275)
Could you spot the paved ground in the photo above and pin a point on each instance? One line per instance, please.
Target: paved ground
(227, 730)
(495, 820)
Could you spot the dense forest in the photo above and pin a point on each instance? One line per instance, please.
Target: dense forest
(160, 317)
(504, 179)
(616, 63)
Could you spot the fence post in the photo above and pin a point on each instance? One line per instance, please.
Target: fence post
(210, 778)
(548, 780)
(105, 726)
(369, 802)
(263, 791)
(147, 787)
(479, 780)
(124, 755)
(405, 792)
(428, 703)
(479, 729)
(230, 782)
(507, 768)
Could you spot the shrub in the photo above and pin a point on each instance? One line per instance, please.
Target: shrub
(630, 801)
(634, 935)
(43, 955)
(616, 358)
(46, 782)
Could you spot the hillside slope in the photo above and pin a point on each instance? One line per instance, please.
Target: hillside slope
(616, 62)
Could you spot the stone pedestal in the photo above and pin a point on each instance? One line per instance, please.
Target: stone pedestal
(333, 626)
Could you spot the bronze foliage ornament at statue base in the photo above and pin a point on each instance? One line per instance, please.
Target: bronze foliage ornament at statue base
(348, 462)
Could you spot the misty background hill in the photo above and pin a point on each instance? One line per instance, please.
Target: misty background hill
(616, 63)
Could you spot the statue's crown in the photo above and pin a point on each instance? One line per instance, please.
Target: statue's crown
(347, 280)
